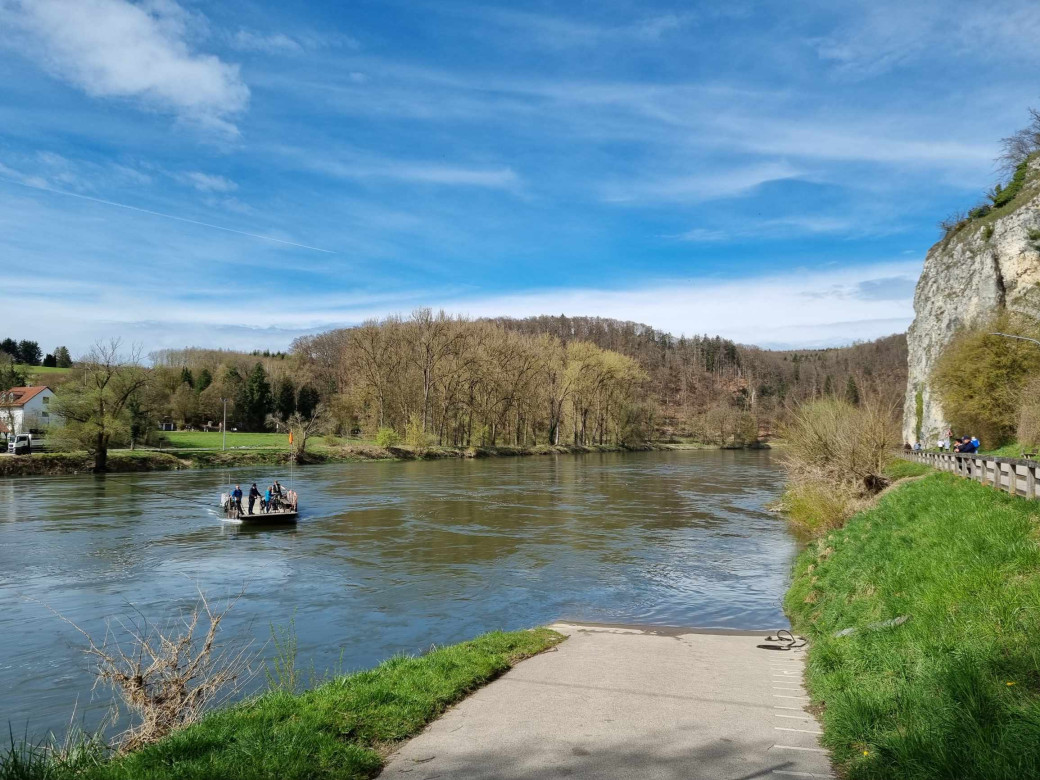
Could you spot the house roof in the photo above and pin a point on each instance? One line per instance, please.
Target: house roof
(20, 396)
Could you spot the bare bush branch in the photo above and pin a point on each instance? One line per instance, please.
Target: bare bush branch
(168, 676)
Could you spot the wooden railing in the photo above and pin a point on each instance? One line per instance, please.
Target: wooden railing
(1016, 476)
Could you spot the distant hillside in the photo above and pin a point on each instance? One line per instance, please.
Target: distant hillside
(699, 379)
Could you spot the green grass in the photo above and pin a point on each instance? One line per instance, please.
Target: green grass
(341, 729)
(207, 440)
(955, 691)
(24, 368)
(1012, 450)
(901, 469)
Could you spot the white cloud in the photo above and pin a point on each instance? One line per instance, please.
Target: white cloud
(205, 182)
(710, 185)
(794, 309)
(118, 49)
(360, 164)
(275, 43)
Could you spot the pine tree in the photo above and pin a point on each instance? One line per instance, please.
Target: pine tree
(852, 391)
(62, 359)
(29, 352)
(285, 398)
(204, 380)
(255, 400)
(187, 378)
(307, 401)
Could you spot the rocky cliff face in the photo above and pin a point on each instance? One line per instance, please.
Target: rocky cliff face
(969, 276)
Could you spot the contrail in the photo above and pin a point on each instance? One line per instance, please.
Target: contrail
(165, 216)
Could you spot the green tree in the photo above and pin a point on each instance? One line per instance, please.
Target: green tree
(62, 358)
(852, 391)
(10, 376)
(29, 352)
(95, 402)
(10, 346)
(307, 401)
(285, 399)
(204, 380)
(980, 375)
(49, 361)
(255, 400)
(187, 378)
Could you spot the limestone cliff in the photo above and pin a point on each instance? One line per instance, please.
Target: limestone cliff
(988, 264)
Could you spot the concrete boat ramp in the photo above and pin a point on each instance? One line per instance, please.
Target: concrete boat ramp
(617, 702)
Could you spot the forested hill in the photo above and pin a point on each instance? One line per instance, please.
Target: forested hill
(521, 381)
(699, 377)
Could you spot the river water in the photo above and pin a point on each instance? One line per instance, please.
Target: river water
(387, 558)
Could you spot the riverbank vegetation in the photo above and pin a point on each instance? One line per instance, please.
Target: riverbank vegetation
(341, 729)
(954, 691)
(836, 456)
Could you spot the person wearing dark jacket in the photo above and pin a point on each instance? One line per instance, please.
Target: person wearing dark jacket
(236, 498)
(254, 494)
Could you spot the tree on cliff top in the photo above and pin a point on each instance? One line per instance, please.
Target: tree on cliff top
(1018, 146)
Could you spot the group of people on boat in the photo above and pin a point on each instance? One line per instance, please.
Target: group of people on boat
(273, 499)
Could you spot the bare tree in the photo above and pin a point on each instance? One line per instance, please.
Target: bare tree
(1018, 146)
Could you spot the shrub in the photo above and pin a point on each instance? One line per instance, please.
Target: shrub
(833, 442)
(979, 211)
(987, 233)
(953, 223)
(1028, 434)
(979, 377)
(818, 506)
(1002, 197)
(387, 438)
(1033, 237)
(415, 437)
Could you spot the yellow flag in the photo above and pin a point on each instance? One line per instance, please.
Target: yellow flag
(290, 437)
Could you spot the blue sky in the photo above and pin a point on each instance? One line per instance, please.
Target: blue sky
(240, 173)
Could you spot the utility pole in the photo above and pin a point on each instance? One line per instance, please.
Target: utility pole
(223, 427)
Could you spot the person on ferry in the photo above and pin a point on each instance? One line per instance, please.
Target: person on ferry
(254, 494)
(267, 500)
(236, 498)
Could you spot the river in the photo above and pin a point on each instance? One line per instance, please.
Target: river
(387, 558)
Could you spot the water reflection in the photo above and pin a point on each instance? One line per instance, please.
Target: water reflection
(387, 557)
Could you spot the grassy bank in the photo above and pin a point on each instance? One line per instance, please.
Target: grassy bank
(954, 692)
(342, 729)
(325, 451)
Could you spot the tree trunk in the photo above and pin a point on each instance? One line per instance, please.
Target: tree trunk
(100, 454)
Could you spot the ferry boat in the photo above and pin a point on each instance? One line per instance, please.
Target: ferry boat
(283, 509)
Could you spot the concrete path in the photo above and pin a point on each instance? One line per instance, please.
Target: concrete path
(629, 703)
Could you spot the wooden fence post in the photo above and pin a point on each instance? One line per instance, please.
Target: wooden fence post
(1030, 481)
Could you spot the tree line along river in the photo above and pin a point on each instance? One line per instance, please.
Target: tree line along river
(387, 558)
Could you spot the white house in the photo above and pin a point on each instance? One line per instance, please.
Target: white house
(24, 409)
